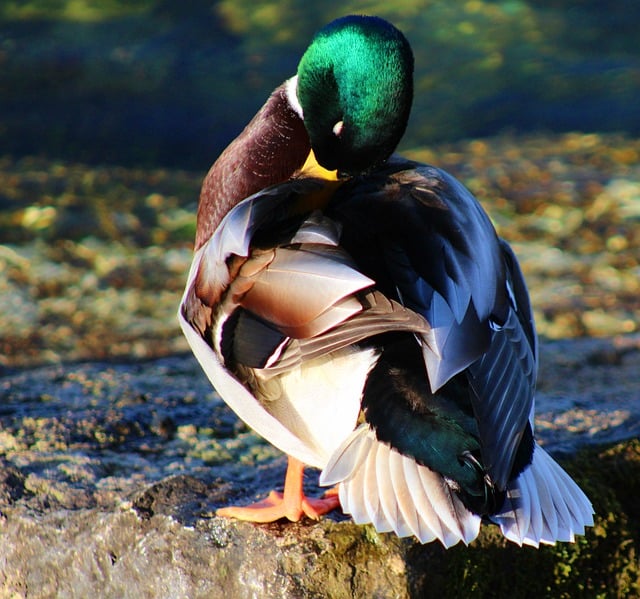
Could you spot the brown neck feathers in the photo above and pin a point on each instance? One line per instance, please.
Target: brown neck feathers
(270, 149)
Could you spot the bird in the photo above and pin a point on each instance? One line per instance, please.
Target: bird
(358, 310)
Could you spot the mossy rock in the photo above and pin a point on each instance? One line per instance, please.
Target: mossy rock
(603, 563)
(200, 555)
(110, 476)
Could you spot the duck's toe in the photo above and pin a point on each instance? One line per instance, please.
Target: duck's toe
(277, 507)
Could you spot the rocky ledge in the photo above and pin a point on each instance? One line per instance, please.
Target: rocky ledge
(110, 475)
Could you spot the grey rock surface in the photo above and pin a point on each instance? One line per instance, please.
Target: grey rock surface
(110, 475)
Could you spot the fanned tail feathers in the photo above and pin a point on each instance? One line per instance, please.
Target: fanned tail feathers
(544, 505)
(378, 485)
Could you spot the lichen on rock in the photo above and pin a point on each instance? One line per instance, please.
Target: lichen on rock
(110, 475)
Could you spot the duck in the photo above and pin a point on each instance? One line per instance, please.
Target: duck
(358, 310)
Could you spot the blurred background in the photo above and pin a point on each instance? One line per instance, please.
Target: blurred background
(111, 111)
(156, 82)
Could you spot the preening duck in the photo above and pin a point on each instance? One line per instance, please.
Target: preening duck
(358, 311)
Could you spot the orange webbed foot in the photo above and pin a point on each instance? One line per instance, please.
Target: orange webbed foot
(275, 507)
(292, 504)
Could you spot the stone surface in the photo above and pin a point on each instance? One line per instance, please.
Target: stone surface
(110, 475)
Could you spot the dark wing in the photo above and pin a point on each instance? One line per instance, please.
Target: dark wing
(503, 380)
(427, 242)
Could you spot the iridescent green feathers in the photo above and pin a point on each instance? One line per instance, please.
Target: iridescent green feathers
(355, 86)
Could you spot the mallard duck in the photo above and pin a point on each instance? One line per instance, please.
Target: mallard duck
(358, 311)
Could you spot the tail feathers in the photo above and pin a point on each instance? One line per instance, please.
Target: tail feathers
(378, 485)
(544, 505)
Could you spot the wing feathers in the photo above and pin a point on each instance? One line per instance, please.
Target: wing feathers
(348, 458)
(295, 287)
(318, 229)
(372, 492)
(406, 514)
(450, 347)
(393, 497)
(503, 384)
(243, 403)
(440, 515)
(376, 315)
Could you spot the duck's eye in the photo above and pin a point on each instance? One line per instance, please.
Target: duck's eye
(337, 128)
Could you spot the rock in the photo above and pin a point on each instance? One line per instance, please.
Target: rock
(110, 475)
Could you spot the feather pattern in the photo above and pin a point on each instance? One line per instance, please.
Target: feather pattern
(407, 517)
(301, 291)
(503, 380)
(307, 299)
(378, 315)
(212, 295)
(388, 502)
(242, 402)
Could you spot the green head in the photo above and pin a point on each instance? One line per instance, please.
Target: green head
(355, 87)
